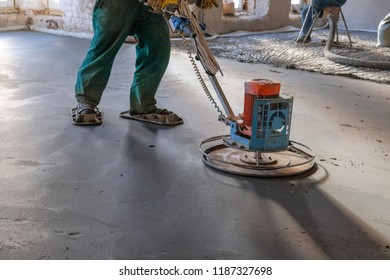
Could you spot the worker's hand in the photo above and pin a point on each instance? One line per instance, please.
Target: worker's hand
(204, 4)
(162, 5)
(170, 8)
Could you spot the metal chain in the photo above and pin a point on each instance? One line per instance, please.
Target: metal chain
(200, 78)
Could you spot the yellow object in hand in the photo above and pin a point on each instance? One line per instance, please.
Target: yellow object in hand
(159, 5)
(165, 3)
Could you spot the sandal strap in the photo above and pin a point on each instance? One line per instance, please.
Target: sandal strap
(157, 111)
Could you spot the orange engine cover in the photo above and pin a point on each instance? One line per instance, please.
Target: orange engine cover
(258, 88)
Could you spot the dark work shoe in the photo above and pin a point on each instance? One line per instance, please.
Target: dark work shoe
(86, 114)
(301, 38)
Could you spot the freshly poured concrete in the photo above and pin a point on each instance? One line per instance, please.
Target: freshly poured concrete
(127, 190)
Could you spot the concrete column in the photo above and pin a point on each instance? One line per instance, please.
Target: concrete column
(263, 15)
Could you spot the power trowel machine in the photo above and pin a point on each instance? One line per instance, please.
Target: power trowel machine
(259, 141)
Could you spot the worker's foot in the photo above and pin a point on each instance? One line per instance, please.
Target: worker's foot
(301, 38)
(157, 116)
(86, 114)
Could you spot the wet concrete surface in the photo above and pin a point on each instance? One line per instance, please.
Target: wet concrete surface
(279, 49)
(128, 190)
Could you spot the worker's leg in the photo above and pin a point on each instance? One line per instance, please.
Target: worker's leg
(112, 21)
(307, 21)
(153, 52)
(310, 11)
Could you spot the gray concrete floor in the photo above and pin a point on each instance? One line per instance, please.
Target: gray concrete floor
(127, 190)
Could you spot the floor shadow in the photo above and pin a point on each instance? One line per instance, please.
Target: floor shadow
(336, 231)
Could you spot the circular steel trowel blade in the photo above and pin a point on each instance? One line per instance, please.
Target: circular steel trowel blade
(296, 159)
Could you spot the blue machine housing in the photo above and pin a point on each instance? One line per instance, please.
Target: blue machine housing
(271, 123)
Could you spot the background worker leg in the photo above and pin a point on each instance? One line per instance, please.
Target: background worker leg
(310, 11)
(112, 22)
(153, 52)
(307, 20)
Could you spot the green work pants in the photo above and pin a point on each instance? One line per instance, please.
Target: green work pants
(113, 21)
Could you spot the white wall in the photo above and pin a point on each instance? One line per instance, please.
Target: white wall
(365, 15)
(31, 4)
(268, 15)
(77, 20)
